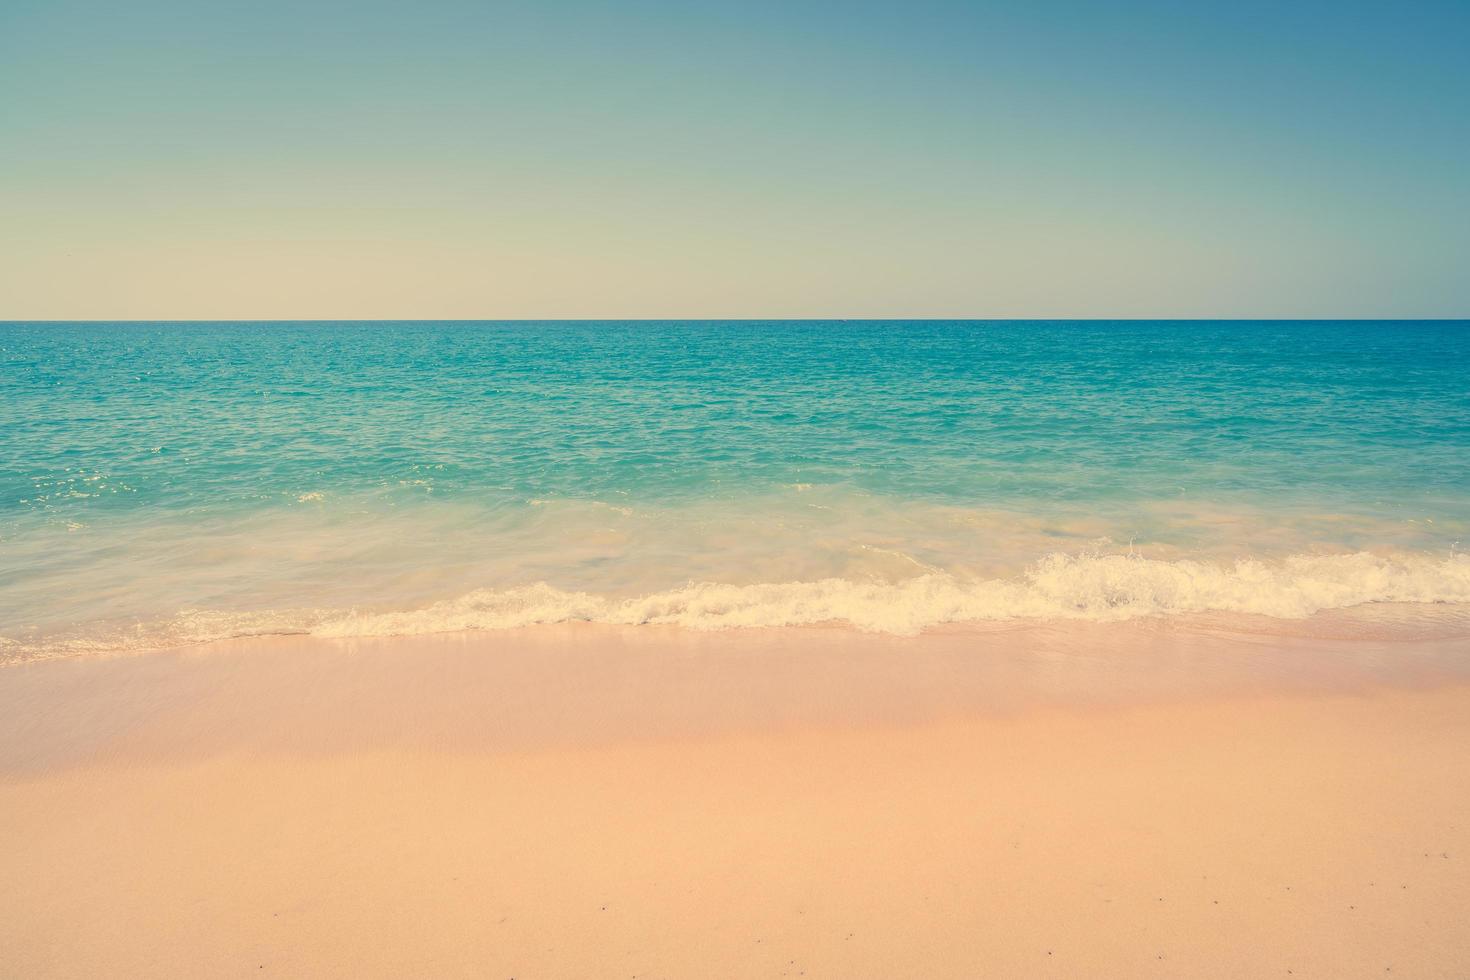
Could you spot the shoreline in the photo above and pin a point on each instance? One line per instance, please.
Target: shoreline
(1384, 620)
(1115, 800)
(1057, 588)
(580, 682)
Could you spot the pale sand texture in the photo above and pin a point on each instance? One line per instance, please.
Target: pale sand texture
(579, 802)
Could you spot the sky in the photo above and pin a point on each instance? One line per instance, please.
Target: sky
(448, 159)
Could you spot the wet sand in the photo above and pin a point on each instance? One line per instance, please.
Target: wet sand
(1110, 801)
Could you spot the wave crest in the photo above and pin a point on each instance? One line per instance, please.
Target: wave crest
(1059, 587)
(1097, 587)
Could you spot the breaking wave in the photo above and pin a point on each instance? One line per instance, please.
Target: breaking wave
(1070, 587)
(1110, 587)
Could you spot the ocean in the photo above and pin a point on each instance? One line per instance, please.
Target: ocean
(171, 483)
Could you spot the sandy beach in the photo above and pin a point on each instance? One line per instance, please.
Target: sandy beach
(663, 491)
(1106, 801)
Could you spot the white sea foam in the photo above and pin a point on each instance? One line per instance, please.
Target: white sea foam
(1099, 587)
(1096, 587)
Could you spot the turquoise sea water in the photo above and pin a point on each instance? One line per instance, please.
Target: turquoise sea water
(168, 482)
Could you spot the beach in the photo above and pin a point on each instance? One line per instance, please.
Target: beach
(1153, 798)
(735, 649)
(535, 491)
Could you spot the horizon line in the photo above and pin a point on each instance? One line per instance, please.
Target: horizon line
(757, 319)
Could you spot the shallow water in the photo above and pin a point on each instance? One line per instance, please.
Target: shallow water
(172, 482)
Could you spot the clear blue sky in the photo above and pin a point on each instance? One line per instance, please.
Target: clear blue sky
(455, 159)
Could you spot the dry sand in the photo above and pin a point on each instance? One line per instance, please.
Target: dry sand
(1094, 801)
